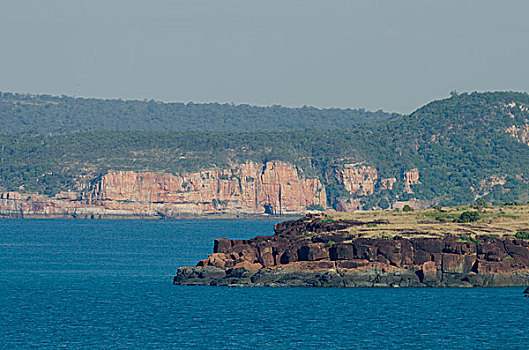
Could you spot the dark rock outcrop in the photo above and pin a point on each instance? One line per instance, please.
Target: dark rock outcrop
(312, 252)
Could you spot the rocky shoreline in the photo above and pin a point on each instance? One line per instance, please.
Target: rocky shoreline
(319, 252)
(110, 216)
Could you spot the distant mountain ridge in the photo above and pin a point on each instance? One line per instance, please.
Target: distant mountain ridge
(452, 151)
(45, 113)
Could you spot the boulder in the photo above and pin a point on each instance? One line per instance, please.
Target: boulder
(243, 269)
(429, 245)
(420, 257)
(341, 252)
(391, 251)
(221, 245)
(455, 247)
(428, 273)
(455, 263)
(313, 252)
(266, 258)
(216, 260)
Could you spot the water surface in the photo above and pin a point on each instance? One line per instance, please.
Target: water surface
(107, 284)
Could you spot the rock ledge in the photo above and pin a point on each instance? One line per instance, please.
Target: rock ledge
(316, 252)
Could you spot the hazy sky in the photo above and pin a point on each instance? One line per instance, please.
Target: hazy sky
(393, 55)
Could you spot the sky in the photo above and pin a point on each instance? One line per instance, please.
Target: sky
(390, 55)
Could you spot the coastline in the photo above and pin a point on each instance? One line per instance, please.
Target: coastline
(215, 216)
(367, 250)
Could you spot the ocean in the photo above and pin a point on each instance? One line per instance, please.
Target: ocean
(104, 284)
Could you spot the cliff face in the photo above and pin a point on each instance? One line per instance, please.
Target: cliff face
(14, 204)
(315, 252)
(358, 179)
(486, 185)
(411, 178)
(361, 181)
(250, 188)
(387, 184)
(273, 188)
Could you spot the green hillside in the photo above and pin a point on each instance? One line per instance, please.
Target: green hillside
(458, 142)
(43, 113)
(460, 146)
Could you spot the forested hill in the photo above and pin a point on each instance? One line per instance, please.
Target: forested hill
(43, 113)
(466, 147)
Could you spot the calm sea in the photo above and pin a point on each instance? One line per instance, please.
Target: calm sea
(107, 284)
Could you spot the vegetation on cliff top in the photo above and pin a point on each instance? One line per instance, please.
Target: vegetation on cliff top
(494, 221)
(460, 145)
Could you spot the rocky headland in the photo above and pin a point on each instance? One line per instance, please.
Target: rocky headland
(449, 247)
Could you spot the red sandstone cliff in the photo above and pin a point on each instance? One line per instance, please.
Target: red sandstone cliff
(249, 188)
(411, 178)
(358, 179)
(274, 188)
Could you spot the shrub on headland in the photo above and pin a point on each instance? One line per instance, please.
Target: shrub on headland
(407, 208)
(522, 234)
(468, 216)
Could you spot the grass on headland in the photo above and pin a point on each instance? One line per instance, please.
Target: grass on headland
(466, 222)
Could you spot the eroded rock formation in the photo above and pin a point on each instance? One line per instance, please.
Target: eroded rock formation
(275, 188)
(314, 252)
(387, 184)
(411, 177)
(358, 179)
(521, 133)
(486, 185)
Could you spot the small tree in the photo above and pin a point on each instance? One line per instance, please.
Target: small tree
(522, 234)
(481, 203)
(468, 216)
(407, 208)
(383, 203)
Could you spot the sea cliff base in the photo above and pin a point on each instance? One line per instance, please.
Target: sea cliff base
(377, 249)
(367, 277)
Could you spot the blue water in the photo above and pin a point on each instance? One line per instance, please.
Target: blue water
(107, 284)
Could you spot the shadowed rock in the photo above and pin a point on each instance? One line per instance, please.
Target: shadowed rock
(318, 253)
